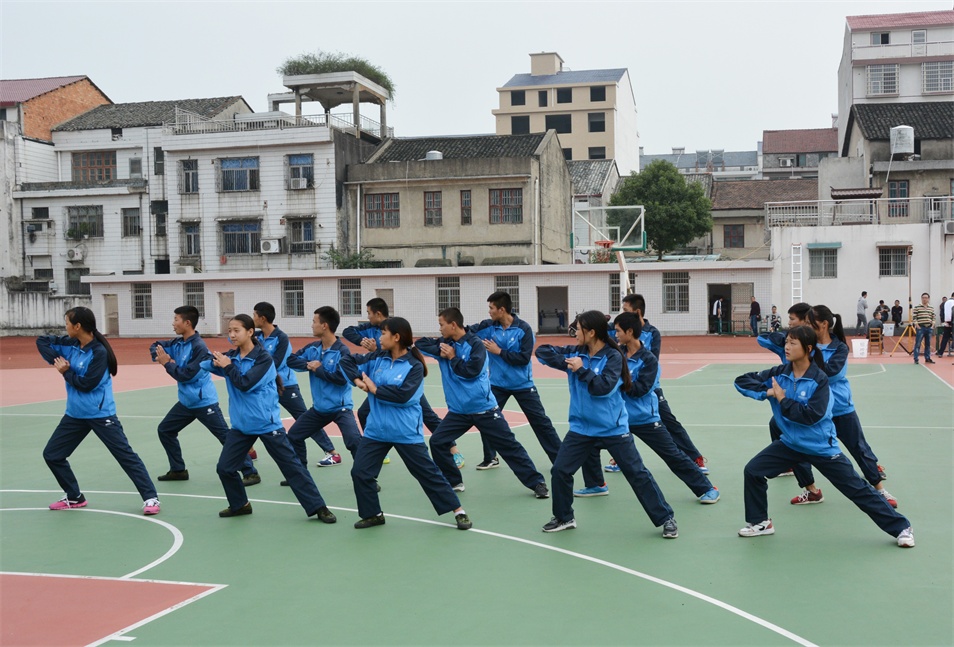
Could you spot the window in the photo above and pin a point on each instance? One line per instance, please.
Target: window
(193, 294)
(191, 238)
(898, 199)
(881, 38)
(564, 95)
(158, 161)
(597, 152)
(520, 125)
(73, 283)
(882, 79)
(160, 210)
(294, 298)
(465, 212)
(432, 209)
(919, 37)
(85, 221)
(448, 292)
(117, 133)
(518, 97)
(301, 171)
(675, 291)
(135, 167)
(238, 174)
(506, 206)
(241, 237)
(937, 76)
(559, 123)
(131, 223)
(302, 235)
(510, 284)
(189, 176)
(94, 167)
(568, 154)
(349, 297)
(597, 122)
(42, 273)
(801, 160)
(543, 98)
(142, 301)
(598, 93)
(615, 297)
(40, 213)
(823, 263)
(382, 210)
(733, 236)
(892, 261)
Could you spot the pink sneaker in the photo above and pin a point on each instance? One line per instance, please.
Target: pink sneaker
(66, 504)
(150, 507)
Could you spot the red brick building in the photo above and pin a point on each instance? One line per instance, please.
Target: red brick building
(40, 104)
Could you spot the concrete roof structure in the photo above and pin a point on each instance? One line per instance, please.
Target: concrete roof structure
(146, 113)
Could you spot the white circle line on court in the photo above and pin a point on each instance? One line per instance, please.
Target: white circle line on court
(588, 558)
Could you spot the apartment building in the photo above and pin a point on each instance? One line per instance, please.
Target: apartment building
(797, 153)
(720, 164)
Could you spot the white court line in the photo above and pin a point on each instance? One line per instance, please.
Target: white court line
(644, 576)
(943, 381)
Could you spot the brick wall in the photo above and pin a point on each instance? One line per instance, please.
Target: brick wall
(44, 112)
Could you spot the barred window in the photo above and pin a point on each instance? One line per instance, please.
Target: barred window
(509, 283)
(191, 238)
(615, 297)
(433, 216)
(506, 206)
(349, 297)
(189, 176)
(131, 223)
(95, 166)
(823, 263)
(382, 210)
(302, 235)
(142, 301)
(158, 161)
(937, 76)
(675, 291)
(193, 294)
(882, 79)
(294, 293)
(241, 237)
(161, 224)
(301, 171)
(465, 212)
(733, 235)
(85, 221)
(892, 261)
(448, 292)
(73, 283)
(238, 174)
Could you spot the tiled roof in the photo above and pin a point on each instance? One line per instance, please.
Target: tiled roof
(753, 194)
(930, 120)
(564, 78)
(900, 20)
(814, 140)
(468, 146)
(589, 176)
(702, 179)
(15, 91)
(146, 113)
(688, 160)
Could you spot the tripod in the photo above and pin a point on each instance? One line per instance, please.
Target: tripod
(908, 332)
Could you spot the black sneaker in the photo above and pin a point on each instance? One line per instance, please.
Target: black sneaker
(463, 521)
(229, 512)
(174, 475)
(555, 525)
(377, 520)
(670, 530)
(284, 484)
(489, 465)
(251, 479)
(929, 361)
(325, 515)
(540, 491)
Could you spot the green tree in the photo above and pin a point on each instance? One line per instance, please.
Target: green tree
(326, 62)
(348, 260)
(676, 211)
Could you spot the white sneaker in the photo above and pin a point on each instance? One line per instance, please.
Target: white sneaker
(757, 529)
(150, 507)
(906, 538)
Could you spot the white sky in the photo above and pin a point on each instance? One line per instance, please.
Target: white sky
(705, 74)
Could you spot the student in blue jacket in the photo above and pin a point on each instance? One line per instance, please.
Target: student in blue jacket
(596, 374)
(802, 404)
(277, 344)
(253, 386)
(509, 343)
(330, 388)
(463, 361)
(86, 361)
(393, 378)
(198, 399)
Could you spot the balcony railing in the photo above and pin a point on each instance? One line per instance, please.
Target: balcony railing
(901, 50)
(816, 213)
(190, 123)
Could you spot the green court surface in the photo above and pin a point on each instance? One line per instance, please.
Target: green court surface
(828, 576)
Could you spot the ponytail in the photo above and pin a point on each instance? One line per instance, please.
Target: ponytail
(87, 321)
(110, 355)
(417, 355)
(402, 328)
(596, 321)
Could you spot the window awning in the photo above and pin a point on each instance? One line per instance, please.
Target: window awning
(894, 243)
(239, 218)
(824, 245)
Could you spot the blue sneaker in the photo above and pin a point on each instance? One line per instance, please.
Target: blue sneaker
(612, 468)
(459, 460)
(710, 497)
(596, 490)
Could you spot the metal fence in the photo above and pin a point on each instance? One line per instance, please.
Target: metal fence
(814, 213)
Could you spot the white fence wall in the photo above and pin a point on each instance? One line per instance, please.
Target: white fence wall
(31, 313)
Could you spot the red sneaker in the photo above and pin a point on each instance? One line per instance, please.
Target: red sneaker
(701, 462)
(808, 497)
(68, 504)
(253, 454)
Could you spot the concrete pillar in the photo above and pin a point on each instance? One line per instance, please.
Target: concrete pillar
(356, 105)
(384, 119)
(297, 102)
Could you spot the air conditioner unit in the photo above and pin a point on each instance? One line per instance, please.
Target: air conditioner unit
(185, 269)
(949, 227)
(299, 183)
(75, 255)
(271, 245)
(786, 162)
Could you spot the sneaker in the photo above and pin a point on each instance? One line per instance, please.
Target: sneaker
(890, 499)
(881, 473)
(330, 459)
(377, 520)
(463, 521)
(710, 497)
(929, 361)
(596, 490)
(555, 525)
(229, 512)
(540, 491)
(251, 479)
(387, 459)
(787, 473)
(284, 484)
(458, 488)
(670, 530)
(253, 454)
(325, 515)
(807, 497)
(906, 538)
(174, 475)
(150, 507)
(757, 529)
(459, 460)
(612, 468)
(492, 464)
(67, 503)
(701, 462)
(916, 362)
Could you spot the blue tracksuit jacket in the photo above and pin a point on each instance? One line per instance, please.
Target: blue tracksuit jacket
(651, 338)
(367, 330)
(279, 348)
(511, 369)
(642, 404)
(835, 355)
(89, 386)
(396, 407)
(804, 416)
(775, 342)
(195, 385)
(465, 378)
(596, 404)
(253, 394)
(330, 387)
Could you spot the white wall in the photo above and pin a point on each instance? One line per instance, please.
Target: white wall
(627, 130)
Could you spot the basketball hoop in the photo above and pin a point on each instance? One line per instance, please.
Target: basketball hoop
(605, 244)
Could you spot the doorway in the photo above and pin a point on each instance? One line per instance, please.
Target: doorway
(551, 310)
(716, 290)
(226, 311)
(111, 310)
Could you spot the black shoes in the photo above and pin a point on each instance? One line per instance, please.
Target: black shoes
(325, 515)
(377, 520)
(229, 512)
(463, 521)
(540, 491)
(251, 479)
(174, 475)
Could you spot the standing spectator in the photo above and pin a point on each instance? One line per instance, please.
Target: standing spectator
(896, 313)
(923, 317)
(717, 315)
(775, 321)
(947, 322)
(755, 316)
(561, 319)
(862, 312)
